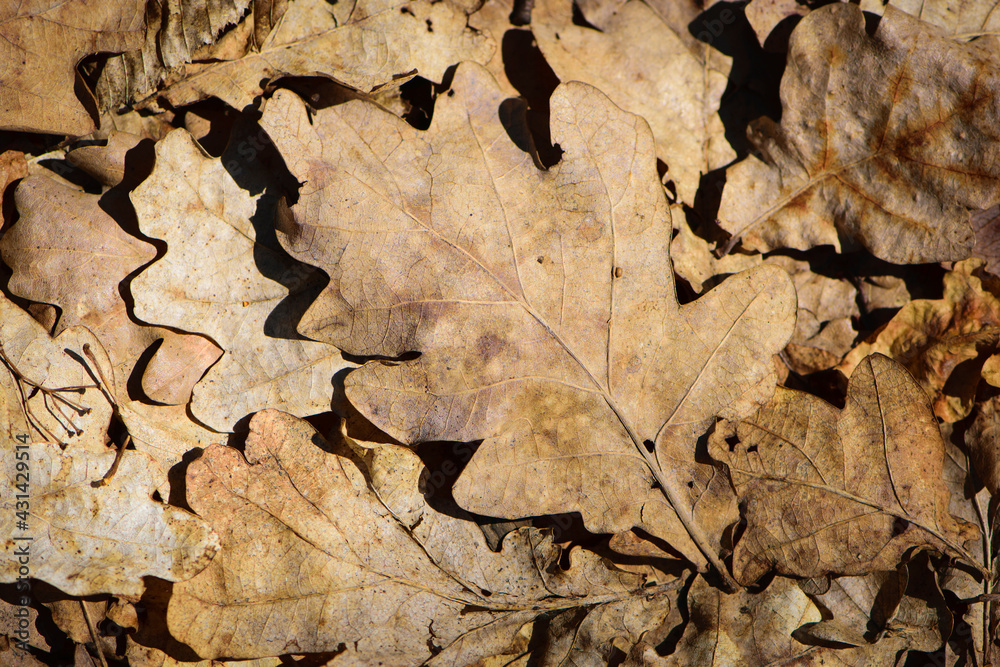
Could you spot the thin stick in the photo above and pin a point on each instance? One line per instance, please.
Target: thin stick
(93, 634)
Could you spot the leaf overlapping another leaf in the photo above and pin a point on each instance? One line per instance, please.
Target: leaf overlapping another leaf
(870, 150)
(542, 303)
(848, 492)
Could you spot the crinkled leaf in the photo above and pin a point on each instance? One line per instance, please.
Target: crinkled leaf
(842, 491)
(542, 303)
(87, 540)
(871, 148)
(324, 552)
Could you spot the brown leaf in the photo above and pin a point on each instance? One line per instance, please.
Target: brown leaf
(324, 552)
(751, 629)
(364, 44)
(65, 250)
(885, 611)
(214, 279)
(983, 440)
(41, 46)
(178, 33)
(858, 159)
(542, 303)
(841, 491)
(650, 66)
(942, 342)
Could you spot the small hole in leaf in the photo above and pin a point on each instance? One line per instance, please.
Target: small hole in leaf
(690, 485)
(451, 93)
(485, 592)
(732, 441)
(655, 486)
(751, 448)
(649, 445)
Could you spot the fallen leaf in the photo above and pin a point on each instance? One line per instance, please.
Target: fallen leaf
(942, 342)
(212, 265)
(752, 629)
(963, 20)
(324, 553)
(841, 491)
(641, 62)
(42, 43)
(178, 33)
(983, 440)
(886, 611)
(87, 540)
(48, 392)
(363, 44)
(869, 162)
(66, 251)
(542, 303)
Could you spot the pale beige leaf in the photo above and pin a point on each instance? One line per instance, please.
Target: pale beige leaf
(213, 280)
(65, 250)
(48, 391)
(845, 491)
(959, 19)
(646, 66)
(322, 551)
(87, 540)
(542, 303)
(364, 44)
(42, 42)
(870, 149)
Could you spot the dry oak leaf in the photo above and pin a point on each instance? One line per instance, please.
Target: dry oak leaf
(841, 491)
(213, 280)
(42, 43)
(751, 629)
(645, 66)
(47, 390)
(66, 251)
(888, 611)
(321, 550)
(871, 148)
(362, 44)
(959, 19)
(542, 303)
(182, 32)
(88, 540)
(942, 342)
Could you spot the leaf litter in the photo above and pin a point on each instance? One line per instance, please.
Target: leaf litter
(269, 267)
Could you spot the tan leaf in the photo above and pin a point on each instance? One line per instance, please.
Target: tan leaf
(41, 46)
(745, 629)
(885, 611)
(65, 250)
(178, 33)
(48, 393)
(942, 342)
(766, 15)
(856, 158)
(959, 19)
(322, 551)
(213, 280)
(645, 65)
(841, 491)
(542, 303)
(364, 44)
(87, 540)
